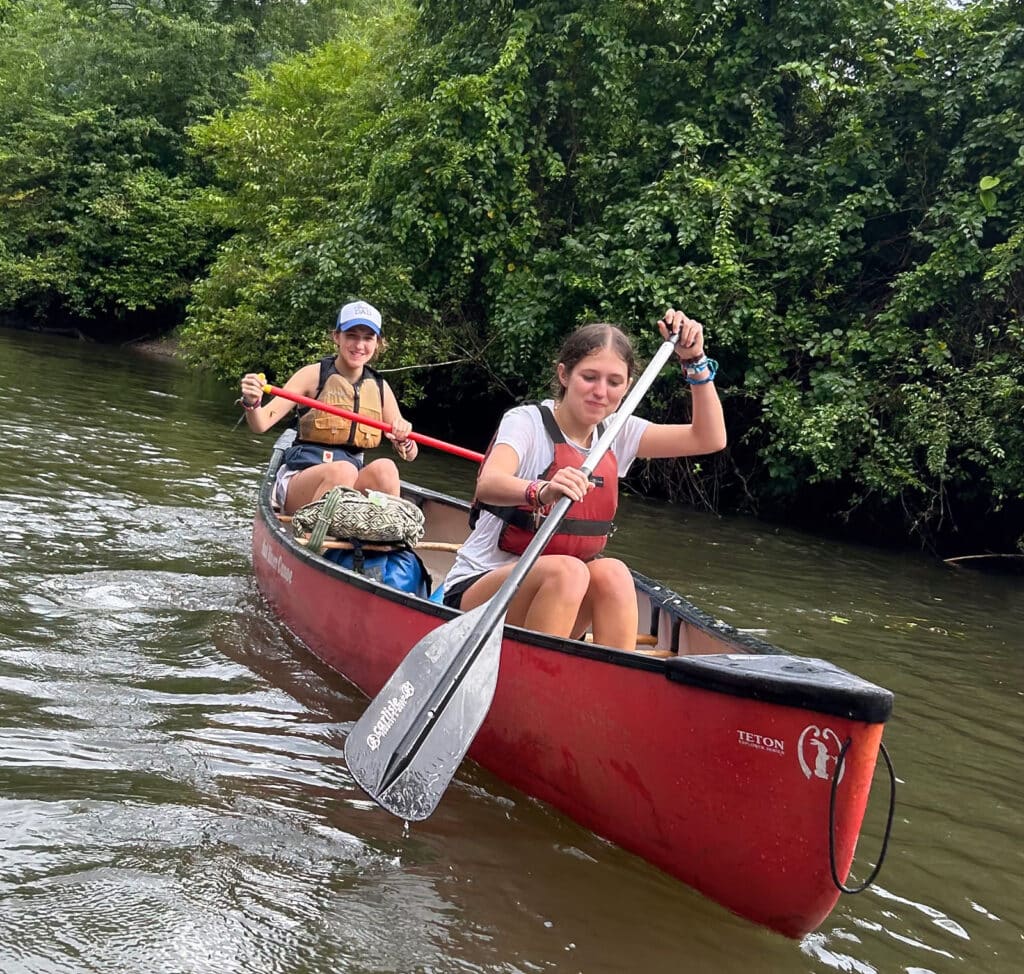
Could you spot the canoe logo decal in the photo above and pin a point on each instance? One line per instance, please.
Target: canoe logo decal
(773, 745)
(818, 752)
(389, 713)
(275, 562)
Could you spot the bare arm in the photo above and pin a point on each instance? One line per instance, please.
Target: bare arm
(262, 417)
(500, 485)
(706, 434)
(497, 482)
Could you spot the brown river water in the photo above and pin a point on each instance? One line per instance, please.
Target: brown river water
(173, 794)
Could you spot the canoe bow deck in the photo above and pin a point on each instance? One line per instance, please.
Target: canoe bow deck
(712, 758)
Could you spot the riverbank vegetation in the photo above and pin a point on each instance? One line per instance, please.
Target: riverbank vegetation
(836, 189)
(99, 227)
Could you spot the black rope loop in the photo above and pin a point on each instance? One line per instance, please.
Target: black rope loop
(832, 821)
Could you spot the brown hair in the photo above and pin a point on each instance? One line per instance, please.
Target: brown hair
(586, 340)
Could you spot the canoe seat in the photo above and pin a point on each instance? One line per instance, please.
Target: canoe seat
(645, 639)
(348, 546)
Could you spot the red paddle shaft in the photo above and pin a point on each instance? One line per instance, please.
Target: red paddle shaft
(376, 423)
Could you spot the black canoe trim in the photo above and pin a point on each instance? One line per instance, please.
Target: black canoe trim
(796, 681)
(757, 670)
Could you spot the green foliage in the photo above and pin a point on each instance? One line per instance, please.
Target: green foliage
(305, 238)
(904, 376)
(835, 189)
(97, 219)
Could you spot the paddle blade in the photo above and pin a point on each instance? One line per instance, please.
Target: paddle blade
(409, 743)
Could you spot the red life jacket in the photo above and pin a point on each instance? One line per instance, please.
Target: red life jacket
(585, 529)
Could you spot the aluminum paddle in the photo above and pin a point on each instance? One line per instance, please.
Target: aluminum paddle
(410, 740)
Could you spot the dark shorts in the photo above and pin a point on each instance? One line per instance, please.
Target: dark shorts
(286, 471)
(453, 596)
(304, 455)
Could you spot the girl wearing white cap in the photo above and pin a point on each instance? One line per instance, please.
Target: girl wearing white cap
(328, 450)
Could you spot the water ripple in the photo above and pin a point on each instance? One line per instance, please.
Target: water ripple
(173, 795)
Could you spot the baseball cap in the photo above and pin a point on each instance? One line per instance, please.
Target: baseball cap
(358, 313)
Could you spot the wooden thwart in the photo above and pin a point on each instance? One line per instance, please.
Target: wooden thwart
(422, 546)
(642, 639)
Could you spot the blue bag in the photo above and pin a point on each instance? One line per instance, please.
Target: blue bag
(401, 568)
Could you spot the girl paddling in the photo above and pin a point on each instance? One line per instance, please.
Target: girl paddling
(328, 451)
(535, 458)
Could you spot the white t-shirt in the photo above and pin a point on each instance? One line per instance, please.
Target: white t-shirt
(523, 429)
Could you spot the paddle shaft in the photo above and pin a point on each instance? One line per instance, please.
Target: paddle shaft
(375, 423)
(494, 615)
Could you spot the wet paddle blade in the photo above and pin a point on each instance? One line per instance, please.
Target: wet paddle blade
(456, 668)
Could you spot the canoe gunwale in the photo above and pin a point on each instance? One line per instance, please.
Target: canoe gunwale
(817, 685)
(751, 669)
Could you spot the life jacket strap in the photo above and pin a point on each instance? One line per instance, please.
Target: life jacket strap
(519, 518)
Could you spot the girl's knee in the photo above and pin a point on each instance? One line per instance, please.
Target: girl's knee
(382, 467)
(380, 475)
(338, 474)
(569, 575)
(609, 576)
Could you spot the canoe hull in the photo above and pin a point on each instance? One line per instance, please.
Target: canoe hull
(703, 766)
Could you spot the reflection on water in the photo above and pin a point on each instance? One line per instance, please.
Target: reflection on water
(173, 795)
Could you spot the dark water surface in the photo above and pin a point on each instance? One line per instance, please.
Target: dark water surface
(173, 796)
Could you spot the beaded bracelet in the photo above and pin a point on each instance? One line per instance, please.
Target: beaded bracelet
(708, 364)
(240, 401)
(530, 495)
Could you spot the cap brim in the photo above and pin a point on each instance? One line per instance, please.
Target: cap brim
(352, 322)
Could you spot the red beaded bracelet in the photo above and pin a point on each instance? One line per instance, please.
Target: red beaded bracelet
(532, 490)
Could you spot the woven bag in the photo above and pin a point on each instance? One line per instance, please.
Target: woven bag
(350, 515)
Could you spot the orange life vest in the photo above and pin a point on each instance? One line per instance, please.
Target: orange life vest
(363, 397)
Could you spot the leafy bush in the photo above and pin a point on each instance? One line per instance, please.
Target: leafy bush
(97, 220)
(835, 189)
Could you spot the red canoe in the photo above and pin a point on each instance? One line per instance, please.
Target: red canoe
(714, 756)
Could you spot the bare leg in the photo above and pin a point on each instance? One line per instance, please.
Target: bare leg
(549, 598)
(609, 606)
(312, 483)
(381, 475)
